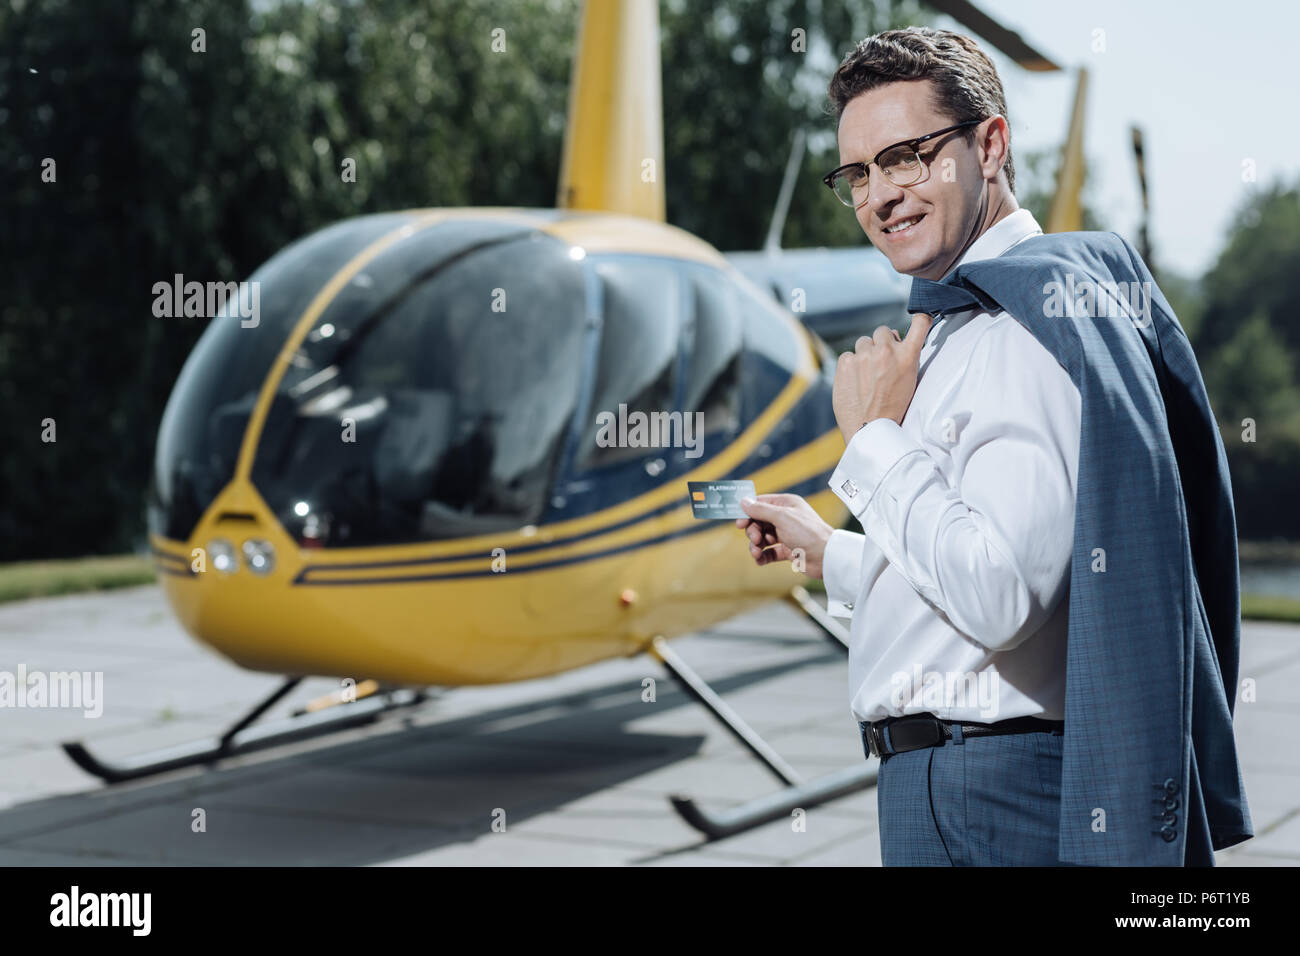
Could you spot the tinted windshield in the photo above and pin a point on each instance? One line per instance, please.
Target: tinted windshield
(203, 425)
(432, 397)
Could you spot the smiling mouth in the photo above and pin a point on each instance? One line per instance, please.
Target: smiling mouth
(904, 228)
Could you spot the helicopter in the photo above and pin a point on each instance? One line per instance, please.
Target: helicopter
(392, 476)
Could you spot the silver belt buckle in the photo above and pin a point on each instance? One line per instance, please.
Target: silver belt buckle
(876, 737)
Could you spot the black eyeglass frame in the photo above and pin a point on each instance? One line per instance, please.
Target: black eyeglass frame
(829, 178)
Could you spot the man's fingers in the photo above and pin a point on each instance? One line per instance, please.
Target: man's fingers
(760, 527)
(758, 532)
(783, 498)
(760, 510)
(883, 334)
(917, 331)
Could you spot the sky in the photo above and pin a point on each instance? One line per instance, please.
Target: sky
(1211, 84)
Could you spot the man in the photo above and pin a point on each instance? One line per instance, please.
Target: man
(962, 465)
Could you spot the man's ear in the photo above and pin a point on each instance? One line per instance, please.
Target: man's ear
(992, 143)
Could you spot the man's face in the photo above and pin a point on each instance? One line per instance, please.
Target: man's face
(950, 198)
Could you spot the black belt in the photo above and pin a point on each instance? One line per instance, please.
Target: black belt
(894, 735)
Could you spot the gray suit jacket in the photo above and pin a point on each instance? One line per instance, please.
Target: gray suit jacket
(1150, 773)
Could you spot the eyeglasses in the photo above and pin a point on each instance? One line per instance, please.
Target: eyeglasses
(901, 164)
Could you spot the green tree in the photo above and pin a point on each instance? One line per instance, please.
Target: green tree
(1247, 340)
(1256, 270)
(204, 154)
(1252, 375)
(736, 87)
(174, 159)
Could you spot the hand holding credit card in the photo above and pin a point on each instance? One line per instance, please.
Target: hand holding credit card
(712, 500)
(782, 527)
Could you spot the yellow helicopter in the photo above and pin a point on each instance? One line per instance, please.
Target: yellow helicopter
(394, 475)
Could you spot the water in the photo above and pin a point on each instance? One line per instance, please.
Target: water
(1273, 579)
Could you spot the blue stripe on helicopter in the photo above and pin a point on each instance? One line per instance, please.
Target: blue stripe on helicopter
(808, 486)
(809, 414)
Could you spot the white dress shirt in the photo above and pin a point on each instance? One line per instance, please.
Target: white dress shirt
(958, 591)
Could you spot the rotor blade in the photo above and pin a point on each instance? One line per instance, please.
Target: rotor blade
(1008, 41)
(792, 165)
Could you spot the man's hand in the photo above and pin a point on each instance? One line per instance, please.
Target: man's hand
(878, 378)
(781, 526)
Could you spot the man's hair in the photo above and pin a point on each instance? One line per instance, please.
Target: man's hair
(965, 82)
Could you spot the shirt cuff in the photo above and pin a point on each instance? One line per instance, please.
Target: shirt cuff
(841, 563)
(871, 454)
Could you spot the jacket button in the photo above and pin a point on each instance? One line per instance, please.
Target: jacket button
(1171, 786)
(1171, 803)
(1168, 833)
(1169, 819)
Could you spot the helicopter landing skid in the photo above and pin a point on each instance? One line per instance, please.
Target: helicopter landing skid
(796, 792)
(240, 738)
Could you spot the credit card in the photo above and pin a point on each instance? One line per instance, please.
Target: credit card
(719, 499)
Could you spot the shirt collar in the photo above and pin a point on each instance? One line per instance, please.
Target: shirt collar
(1002, 235)
(995, 240)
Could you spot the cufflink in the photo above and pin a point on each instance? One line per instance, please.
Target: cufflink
(849, 488)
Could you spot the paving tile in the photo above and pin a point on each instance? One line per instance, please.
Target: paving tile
(162, 834)
(581, 766)
(512, 848)
(857, 848)
(1225, 858)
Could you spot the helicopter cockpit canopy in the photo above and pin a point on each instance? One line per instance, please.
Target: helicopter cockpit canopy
(430, 398)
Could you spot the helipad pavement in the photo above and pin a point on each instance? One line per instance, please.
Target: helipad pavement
(577, 766)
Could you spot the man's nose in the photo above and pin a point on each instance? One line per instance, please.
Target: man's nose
(881, 191)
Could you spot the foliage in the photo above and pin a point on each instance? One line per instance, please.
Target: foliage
(206, 163)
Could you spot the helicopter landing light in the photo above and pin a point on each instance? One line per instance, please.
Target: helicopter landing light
(259, 556)
(577, 252)
(222, 553)
(301, 509)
